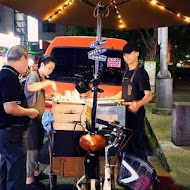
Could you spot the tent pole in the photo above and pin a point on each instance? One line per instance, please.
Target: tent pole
(96, 81)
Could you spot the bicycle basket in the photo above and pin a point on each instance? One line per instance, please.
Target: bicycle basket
(135, 173)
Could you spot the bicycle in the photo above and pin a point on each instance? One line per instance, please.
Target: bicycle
(116, 139)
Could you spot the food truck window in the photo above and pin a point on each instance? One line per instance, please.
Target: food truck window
(74, 60)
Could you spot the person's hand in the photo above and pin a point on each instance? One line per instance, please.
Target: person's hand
(134, 107)
(49, 96)
(119, 101)
(56, 94)
(52, 84)
(53, 95)
(33, 113)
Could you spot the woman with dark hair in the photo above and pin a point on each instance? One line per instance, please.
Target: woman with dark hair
(35, 94)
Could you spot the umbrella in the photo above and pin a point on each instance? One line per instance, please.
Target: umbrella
(112, 14)
(128, 14)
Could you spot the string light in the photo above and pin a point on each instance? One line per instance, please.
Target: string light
(59, 10)
(153, 2)
(161, 7)
(122, 25)
(156, 3)
(187, 19)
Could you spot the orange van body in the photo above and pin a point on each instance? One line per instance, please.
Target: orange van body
(84, 41)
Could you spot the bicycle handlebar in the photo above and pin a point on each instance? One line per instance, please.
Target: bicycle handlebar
(110, 124)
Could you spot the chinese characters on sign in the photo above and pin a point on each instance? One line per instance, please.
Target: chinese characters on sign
(113, 62)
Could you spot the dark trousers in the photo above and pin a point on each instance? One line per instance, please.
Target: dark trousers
(35, 135)
(12, 163)
(136, 144)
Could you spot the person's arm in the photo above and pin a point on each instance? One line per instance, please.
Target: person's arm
(146, 99)
(51, 95)
(135, 105)
(40, 85)
(14, 109)
(11, 99)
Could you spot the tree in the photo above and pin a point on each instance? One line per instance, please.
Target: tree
(150, 40)
(179, 40)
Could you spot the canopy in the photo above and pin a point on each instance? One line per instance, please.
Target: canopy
(126, 14)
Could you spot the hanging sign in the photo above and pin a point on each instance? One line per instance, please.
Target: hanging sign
(98, 57)
(97, 43)
(97, 51)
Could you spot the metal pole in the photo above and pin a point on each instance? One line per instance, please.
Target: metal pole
(98, 37)
(95, 82)
(164, 82)
(163, 42)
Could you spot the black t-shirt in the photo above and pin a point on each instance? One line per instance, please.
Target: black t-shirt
(11, 91)
(139, 84)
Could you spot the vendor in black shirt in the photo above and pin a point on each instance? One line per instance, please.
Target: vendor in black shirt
(14, 118)
(136, 91)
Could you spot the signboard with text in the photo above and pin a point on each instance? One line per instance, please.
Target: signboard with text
(97, 43)
(97, 51)
(97, 57)
(113, 62)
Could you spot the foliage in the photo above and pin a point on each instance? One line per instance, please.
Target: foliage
(182, 73)
(146, 40)
(82, 31)
(179, 39)
(150, 40)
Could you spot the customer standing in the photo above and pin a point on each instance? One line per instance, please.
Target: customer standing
(14, 119)
(35, 94)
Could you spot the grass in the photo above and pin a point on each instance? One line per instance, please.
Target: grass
(177, 157)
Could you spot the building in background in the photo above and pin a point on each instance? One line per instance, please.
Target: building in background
(17, 23)
(6, 20)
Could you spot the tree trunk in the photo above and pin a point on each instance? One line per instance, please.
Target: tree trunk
(150, 39)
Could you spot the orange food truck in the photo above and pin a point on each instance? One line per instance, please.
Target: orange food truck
(71, 55)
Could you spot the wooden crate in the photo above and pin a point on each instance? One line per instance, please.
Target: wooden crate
(68, 166)
(69, 116)
(64, 167)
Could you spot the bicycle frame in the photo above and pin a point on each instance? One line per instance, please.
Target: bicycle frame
(117, 133)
